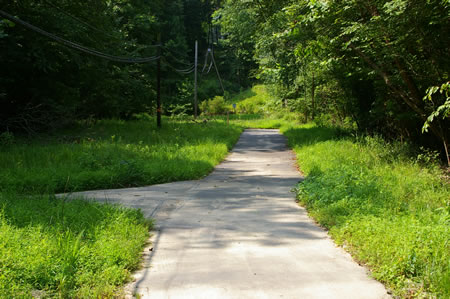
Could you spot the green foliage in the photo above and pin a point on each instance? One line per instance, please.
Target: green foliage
(215, 106)
(241, 95)
(238, 24)
(442, 110)
(59, 248)
(427, 156)
(180, 111)
(368, 61)
(44, 85)
(252, 101)
(6, 138)
(391, 213)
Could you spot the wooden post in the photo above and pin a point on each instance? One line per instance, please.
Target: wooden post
(313, 104)
(195, 80)
(158, 85)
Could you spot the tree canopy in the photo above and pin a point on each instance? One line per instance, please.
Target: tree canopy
(43, 82)
(371, 61)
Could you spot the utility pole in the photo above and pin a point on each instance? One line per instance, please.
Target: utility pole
(195, 80)
(313, 104)
(158, 85)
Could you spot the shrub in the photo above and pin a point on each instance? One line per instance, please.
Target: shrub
(6, 138)
(215, 106)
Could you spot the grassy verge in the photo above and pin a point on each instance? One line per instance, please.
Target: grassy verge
(50, 247)
(389, 211)
(53, 247)
(115, 154)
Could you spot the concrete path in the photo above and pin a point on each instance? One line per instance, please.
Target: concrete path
(238, 233)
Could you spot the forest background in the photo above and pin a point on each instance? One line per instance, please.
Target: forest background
(379, 66)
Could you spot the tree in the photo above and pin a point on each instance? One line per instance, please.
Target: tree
(382, 54)
(44, 84)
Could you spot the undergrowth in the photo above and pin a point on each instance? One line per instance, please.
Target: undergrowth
(251, 101)
(385, 207)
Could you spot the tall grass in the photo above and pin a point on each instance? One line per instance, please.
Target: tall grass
(115, 154)
(51, 247)
(390, 211)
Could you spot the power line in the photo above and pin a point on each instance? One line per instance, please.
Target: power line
(78, 46)
(188, 70)
(209, 53)
(89, 25)
(209, 68)
(217, 71)
(183, 72)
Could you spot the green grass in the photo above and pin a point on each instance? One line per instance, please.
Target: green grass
(388, 210)
(262, 123)
(251, 121)
(243, 95)
(53, 247)
(67, 249)
(115, 154)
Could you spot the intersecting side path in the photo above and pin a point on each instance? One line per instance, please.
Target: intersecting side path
(238, 233)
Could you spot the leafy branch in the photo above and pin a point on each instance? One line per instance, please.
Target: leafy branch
(443, 110)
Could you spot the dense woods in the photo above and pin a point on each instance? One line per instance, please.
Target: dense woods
(44, 84)
(367, 63)
(370, 62)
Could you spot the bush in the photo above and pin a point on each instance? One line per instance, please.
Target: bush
(252, 101)
(215, 106)
(6, 138)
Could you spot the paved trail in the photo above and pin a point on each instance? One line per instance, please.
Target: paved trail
(239, 234)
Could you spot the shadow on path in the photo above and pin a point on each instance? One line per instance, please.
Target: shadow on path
(238, 233)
